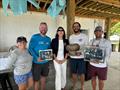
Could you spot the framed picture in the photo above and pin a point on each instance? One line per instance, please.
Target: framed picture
(92, 53)
(46, 54)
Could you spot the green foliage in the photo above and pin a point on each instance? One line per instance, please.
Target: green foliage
(115, 29)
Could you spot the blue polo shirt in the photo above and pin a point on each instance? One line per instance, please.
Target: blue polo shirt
(38, 42)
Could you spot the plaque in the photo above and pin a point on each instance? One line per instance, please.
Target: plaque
(92, 53)
(46, 54)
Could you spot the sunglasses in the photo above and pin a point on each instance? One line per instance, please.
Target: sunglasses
(60, 30)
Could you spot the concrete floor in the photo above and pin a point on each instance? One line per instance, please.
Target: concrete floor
(113, 82)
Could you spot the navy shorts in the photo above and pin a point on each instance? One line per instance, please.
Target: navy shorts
(40, 70)
(22, 79)
(77, 66)
(101, 73)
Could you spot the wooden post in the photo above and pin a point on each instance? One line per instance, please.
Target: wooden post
(107, 26)
(70, 16)
(119, 45)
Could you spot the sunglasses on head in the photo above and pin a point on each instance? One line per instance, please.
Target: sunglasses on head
(60, 30)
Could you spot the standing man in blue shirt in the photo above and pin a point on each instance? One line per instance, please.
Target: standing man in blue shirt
(40, 68)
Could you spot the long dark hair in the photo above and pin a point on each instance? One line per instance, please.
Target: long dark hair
(56, 36)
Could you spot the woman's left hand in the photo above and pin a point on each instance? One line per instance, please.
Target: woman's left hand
(62, 61)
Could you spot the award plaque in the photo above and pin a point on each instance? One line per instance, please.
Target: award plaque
(92, 53)
(46, 54)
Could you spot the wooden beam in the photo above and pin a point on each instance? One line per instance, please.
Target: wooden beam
(44, 1)
(45, 4)
(90, 4)
(94, 10)
(78, 2)
(85, 3)
(70, 16)
(95, 5)
(115, 3)
(104, 8)
(107, 26)
(91, 16)
(101, 6)
(0, 3)
(39, 2)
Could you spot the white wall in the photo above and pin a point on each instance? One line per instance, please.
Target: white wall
(27, 24)
(89, 24)
(24, 25)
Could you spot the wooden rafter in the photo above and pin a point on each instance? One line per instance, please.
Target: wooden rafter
(90, 4)
(78, 2)
(49, 1)
(94, 8)
(115, 3)
(85, 3)
(95, 11)
(45, 4)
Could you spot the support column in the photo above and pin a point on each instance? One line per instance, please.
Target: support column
(70, 16)
(119, 45)
(107, 26)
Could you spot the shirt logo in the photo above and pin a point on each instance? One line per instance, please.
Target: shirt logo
(80, 40)
(44, 43)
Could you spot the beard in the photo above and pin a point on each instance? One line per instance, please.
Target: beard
(43, 32)
(76, 30)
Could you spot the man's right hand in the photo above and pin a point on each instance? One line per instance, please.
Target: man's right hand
(39, 60)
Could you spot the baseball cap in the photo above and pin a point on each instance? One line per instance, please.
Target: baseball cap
(98, 28)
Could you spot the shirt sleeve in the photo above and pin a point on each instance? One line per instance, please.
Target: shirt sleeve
(70, 39)
(90, 43)
(108, 50)
(31, 48)
(11, 58)
(50, 44)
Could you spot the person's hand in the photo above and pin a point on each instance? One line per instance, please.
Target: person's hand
(60, 61)
(64, 60)
(78, 53)
(39, 60)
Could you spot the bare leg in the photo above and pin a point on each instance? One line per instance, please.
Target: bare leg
(82, 79)
(74, 80)
(43, 82)
(30, 83)
(36, 85)
(94, 83)
(101, 84)
(22, 87)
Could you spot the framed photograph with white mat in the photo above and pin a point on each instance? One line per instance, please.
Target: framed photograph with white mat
(46, 54)
(93, 53)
